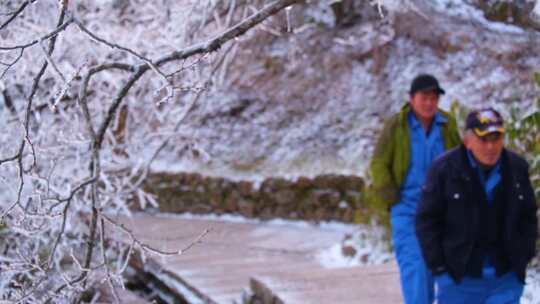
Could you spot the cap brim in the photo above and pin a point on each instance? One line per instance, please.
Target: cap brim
(441, 91)
(488, 130)
(436, 89)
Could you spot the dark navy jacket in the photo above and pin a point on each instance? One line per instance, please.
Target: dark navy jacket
(456, 227)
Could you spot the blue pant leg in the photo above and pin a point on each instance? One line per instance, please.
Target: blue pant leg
(416, 279)
(506, 289)
(468, 291)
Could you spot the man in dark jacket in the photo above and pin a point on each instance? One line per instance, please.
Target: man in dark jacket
(476, 222)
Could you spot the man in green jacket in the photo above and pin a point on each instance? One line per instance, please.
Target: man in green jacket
(409, 142)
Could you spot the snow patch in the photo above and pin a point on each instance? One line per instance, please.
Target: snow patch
(367, 246)
(536, 11)
(329, 225)
(531, 293)
(466, 11)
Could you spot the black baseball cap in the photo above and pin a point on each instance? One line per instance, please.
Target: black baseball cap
(425, 82)
(484, 122)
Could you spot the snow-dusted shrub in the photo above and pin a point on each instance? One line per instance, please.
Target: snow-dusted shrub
(523, 133)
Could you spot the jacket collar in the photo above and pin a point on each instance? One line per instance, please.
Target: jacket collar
(441, 116)
(463, 165)
(415, 124)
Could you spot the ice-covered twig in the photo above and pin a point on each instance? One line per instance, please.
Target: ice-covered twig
(48, 36)
(151, 249)
(17, 12)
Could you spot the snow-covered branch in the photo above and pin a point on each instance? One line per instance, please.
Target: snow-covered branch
(46, 37)
(13, 15)
(80, 127)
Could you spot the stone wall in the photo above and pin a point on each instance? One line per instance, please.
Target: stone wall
(325, 197)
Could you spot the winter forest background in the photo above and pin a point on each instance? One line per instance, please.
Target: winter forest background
(103, 101)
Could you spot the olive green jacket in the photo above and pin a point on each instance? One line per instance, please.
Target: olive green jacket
(391, 156)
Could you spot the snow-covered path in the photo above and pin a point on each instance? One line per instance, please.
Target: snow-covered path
(279, 259)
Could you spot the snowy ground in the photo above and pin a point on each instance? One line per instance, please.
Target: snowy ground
(531, 295)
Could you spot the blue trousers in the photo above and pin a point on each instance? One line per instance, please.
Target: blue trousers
(506, 289)
(417, 285)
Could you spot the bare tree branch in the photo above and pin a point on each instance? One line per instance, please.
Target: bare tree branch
(186, 112)
(9, 159)
(61, 27)
(9, 102)
(16, 13)
(105, 262)
(90, 247)
(149, 248)
(108, 43)
(236, 31)
(35, 84)
(130, 51)
(83, 92)
(96, 169)
(206, 47)
(65, 213)
(116, 103)
(52, 64)
(11, 64)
